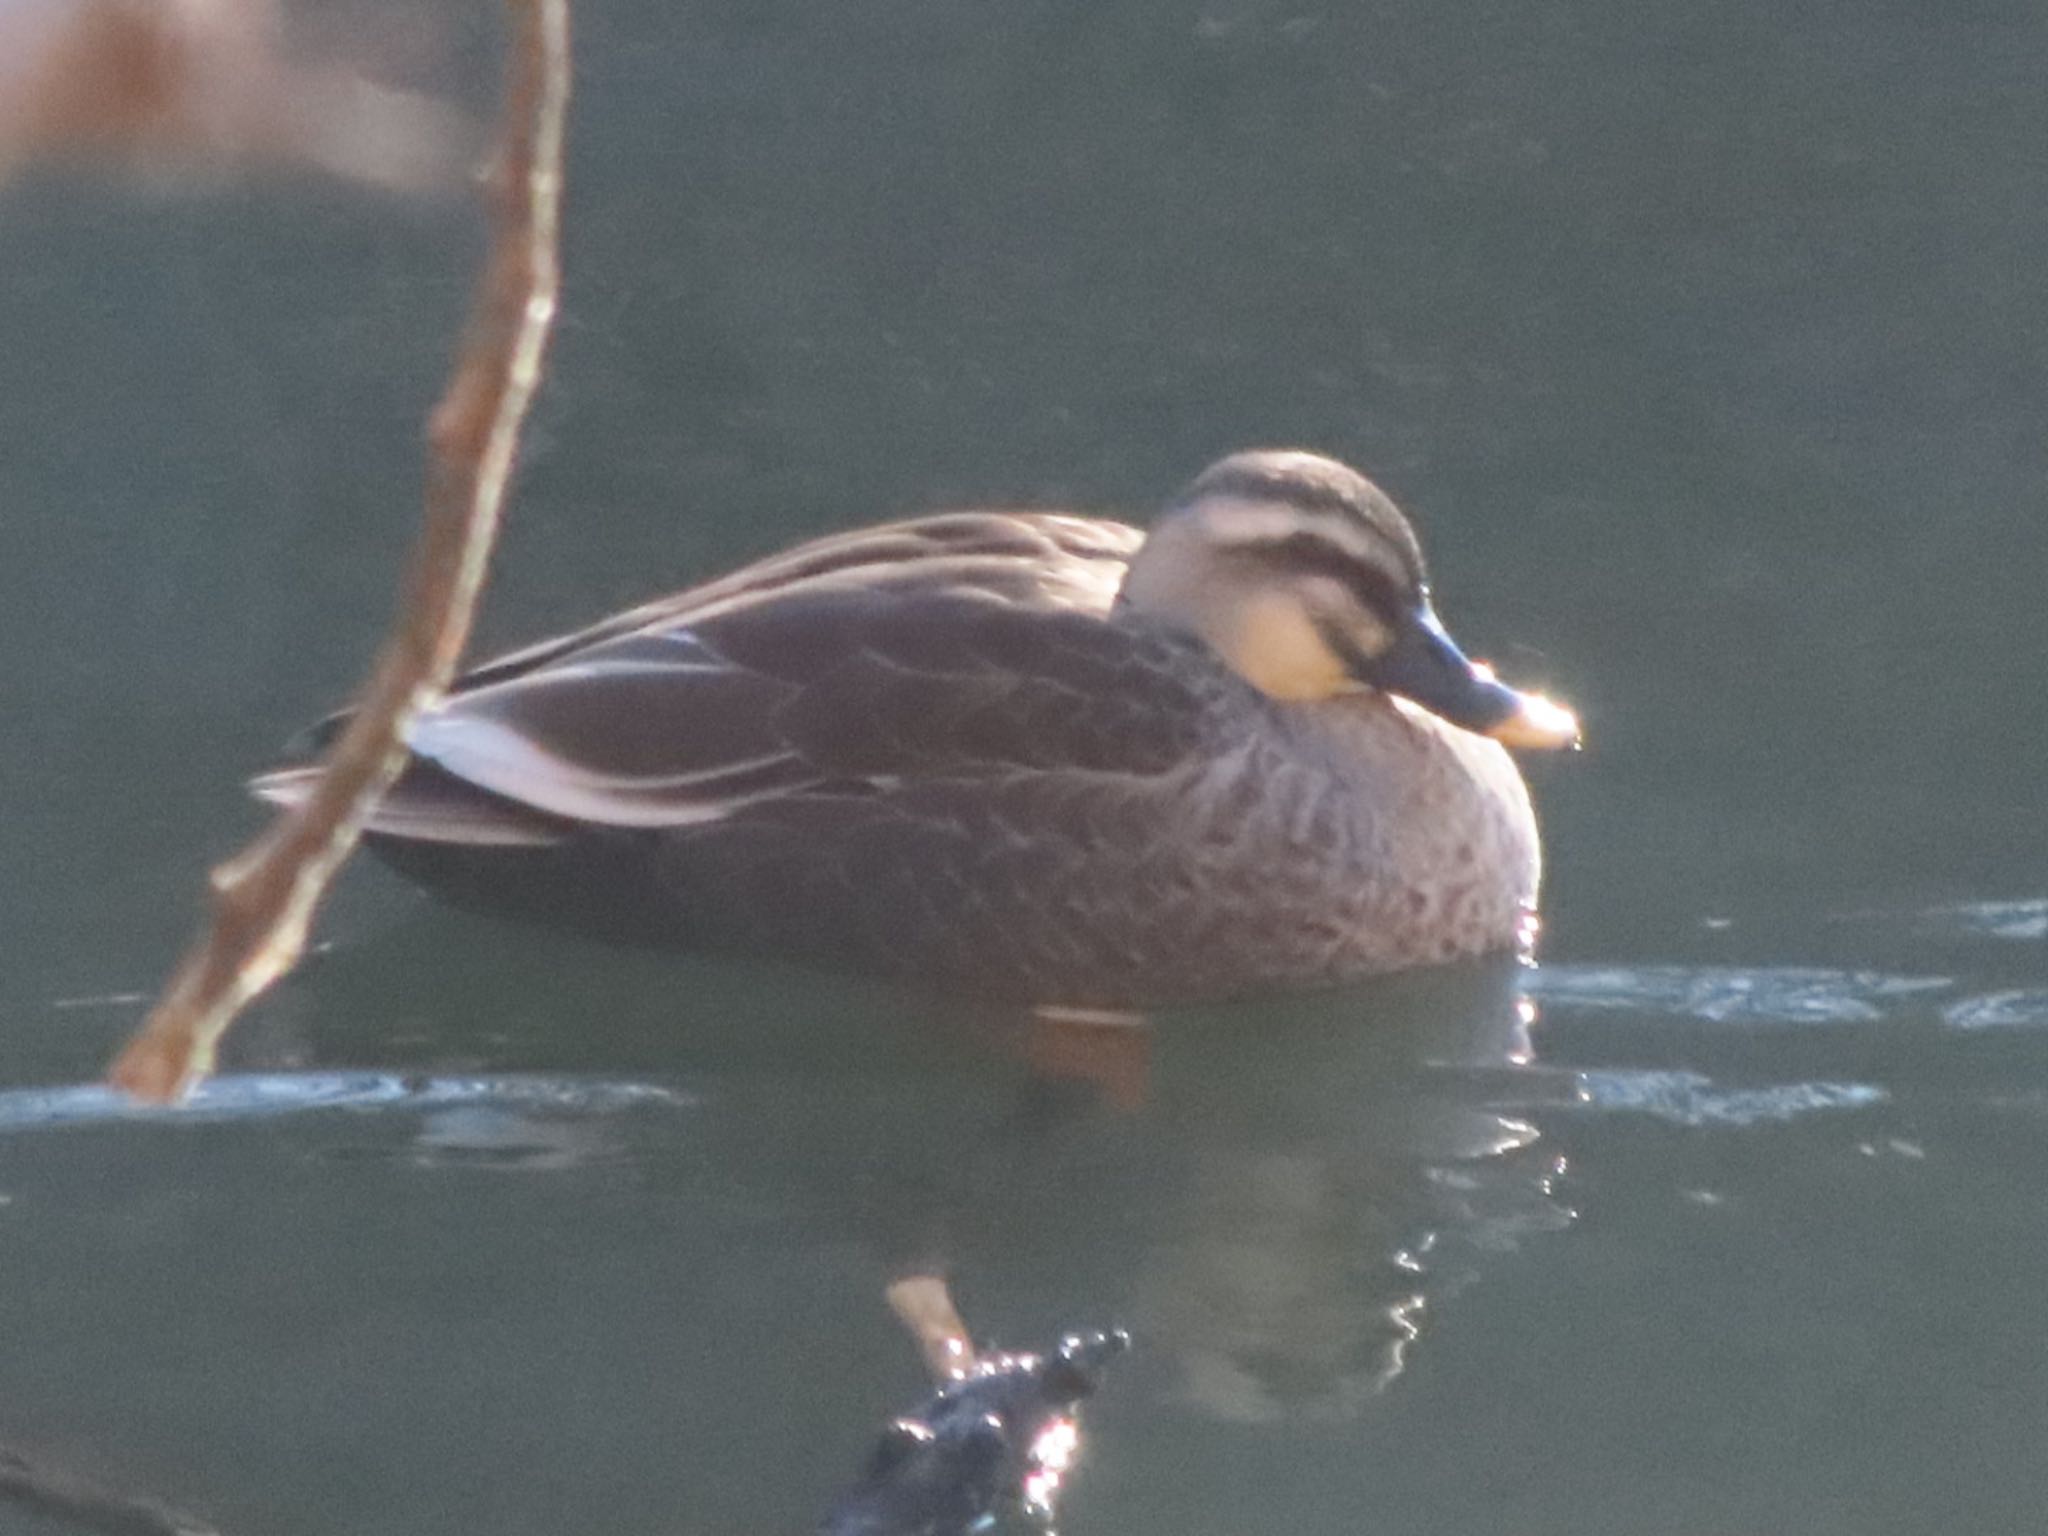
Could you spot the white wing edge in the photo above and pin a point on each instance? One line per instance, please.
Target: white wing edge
(434, 819)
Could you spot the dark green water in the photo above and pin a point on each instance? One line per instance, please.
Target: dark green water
(1709, 348)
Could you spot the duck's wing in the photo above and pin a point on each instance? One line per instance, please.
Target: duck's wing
(958, 646)
(1030, 559)
(834, 692)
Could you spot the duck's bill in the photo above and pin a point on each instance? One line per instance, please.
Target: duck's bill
(1425, 666)
(1537, 723)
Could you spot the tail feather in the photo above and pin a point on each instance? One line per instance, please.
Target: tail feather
(426, 805)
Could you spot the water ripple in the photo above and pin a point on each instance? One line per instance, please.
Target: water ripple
(1723, 994)
(1690, 1099)
(1998, 1010)
(2017, 920)
(265, 1095)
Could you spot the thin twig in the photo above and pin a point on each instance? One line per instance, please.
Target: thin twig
(264, 898)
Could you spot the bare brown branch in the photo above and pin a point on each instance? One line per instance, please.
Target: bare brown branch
(923, 1304)
(264, 898)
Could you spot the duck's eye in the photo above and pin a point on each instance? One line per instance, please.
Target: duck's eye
(1357, 631)
(1353, 601)
(1350, 623)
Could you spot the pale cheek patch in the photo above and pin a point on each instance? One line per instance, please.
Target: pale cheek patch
(1272, 644)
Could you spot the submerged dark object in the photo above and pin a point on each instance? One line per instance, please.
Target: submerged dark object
(998, 1439)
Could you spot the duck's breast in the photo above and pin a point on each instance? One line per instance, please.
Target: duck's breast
(1429, 842)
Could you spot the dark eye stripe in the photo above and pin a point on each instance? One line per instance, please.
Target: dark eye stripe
(1331, 490)
(1310, 554)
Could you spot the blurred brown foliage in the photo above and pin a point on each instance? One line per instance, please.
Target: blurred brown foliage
(182, 87)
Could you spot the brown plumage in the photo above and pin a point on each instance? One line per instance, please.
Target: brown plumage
(948, 750)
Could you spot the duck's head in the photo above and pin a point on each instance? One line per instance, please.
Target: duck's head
(1308, 582)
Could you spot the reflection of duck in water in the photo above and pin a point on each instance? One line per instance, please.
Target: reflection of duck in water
(1284, 1212)
(1340, 1182)
(1298, 1189)
(1029, 754)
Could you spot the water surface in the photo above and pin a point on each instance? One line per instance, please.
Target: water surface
(1705, 345)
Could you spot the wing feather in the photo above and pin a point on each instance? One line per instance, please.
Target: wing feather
(822, 694)
(958, 647)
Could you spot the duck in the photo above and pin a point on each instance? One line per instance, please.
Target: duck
(1031, 756)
